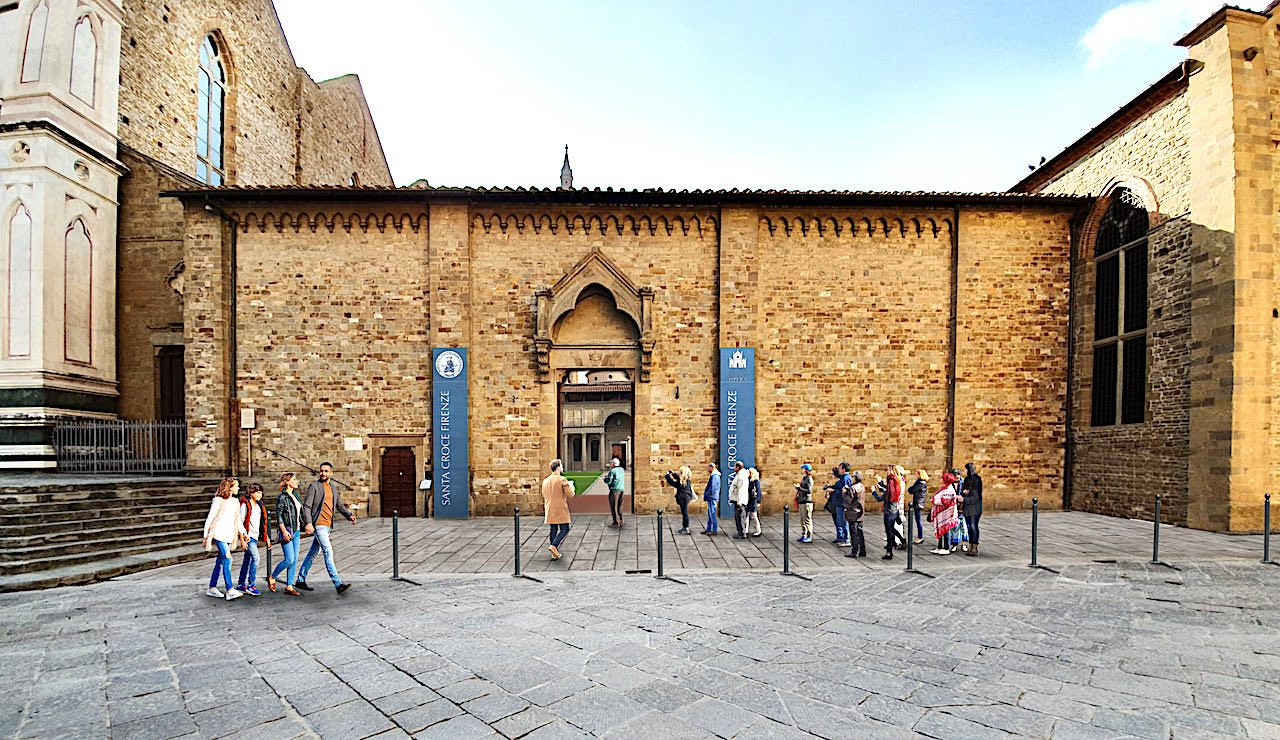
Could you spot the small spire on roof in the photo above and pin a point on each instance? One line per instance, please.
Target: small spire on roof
(566, 172)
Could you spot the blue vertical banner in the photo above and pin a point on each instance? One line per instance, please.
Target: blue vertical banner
(737, 414)
(451, 478)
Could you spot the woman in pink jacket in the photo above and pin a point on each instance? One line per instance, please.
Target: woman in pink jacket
(943, 513)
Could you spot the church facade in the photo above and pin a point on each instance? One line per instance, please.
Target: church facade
(1097, 335)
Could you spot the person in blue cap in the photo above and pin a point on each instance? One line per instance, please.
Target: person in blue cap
(804, 503)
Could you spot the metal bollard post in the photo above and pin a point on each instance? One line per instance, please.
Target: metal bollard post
(662, 535)
(395, 545)
(910, 538)
(1266, 530)
(518, 573)
(786, 540)
(1035, 529)
(660, 539)
(1155, 539)
(786, 544)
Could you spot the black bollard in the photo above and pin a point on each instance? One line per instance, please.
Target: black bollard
(1266, 530)
(786, 544)
(1155, 538)
(1035, 529)
(395, 545)
(518, 573)
(786, 540)
(660, 539)
(662, 535)
(910, 539)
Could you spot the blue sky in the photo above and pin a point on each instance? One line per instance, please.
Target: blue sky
(814, 95)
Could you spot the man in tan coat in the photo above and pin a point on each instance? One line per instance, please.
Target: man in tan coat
(556, 492)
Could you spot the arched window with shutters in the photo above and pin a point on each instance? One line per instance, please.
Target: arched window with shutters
(1120, 313)
(211, 96)
(33, 53)
(84, 60)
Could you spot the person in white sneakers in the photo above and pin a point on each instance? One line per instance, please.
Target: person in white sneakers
(222, 528)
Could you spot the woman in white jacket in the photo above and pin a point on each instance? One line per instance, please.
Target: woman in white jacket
(223, 528)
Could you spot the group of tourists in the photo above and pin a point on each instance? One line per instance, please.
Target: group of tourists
(239, 520)
(953, 510)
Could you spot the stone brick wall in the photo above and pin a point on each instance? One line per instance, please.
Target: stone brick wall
(1011, 353)
(273, 109)
(1118, 469)
(333, 337)
(150, 250)
(338, 135)
(852, 350)
(206, 315)
(1154, 149)
(508, 412)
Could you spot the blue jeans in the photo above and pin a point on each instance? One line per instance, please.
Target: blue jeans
(972, 523)
(842, 525)
(250, 564)
(558, 533)
(223, 564)
(919, 533)
(713, 524)
(320, 542)
(290, 561)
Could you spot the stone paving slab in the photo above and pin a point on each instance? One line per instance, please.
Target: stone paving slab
(1125, 649)
(486, 545)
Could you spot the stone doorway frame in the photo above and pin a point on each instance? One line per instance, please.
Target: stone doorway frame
(553, 360)
(378, 443)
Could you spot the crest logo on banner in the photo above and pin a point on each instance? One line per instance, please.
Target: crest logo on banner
(737, 414)
(449, 459)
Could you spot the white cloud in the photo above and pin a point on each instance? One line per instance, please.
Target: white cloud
(1146, 25)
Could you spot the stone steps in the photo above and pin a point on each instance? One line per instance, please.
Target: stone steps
(109, 566)
(90, 531)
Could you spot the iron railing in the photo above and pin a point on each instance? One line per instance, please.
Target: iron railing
(145, 447)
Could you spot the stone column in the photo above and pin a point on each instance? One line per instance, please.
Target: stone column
(206, 321)
(1232, 276)
(449, 301)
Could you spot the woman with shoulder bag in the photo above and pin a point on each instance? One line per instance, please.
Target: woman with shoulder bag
(683, 484)
(289, 523)
(222, 528)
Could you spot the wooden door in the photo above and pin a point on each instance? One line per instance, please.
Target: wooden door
(398, 481)
(171, 381)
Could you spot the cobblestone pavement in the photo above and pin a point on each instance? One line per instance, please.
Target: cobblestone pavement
(1100, 650)
(485, 545)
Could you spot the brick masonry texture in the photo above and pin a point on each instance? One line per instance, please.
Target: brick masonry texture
(281, 127)
(335, 328)
(1118, 469)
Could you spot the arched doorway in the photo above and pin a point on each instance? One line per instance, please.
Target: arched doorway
(596, 408)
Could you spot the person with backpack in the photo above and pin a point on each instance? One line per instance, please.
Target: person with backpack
(804, 503)
(253, 515)
(854, 509)
(681, 482)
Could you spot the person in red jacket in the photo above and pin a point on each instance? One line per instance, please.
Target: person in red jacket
(253, 516)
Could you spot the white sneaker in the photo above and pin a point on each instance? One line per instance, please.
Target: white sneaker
(215, 593)
(943, 552)
(965, 546)
(234, 594)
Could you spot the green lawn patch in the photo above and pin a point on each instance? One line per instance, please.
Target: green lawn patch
(581, 480)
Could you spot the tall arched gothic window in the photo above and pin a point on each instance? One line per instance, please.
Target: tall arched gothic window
(1120, 313)
(211, 88)
(18, 300)
(77, 321)
(33, 54)
(84, 60)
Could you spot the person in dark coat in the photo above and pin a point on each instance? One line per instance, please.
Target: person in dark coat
(919, 494)
(684, 493)
(971, 491)
(804, 503)
(854, 500)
